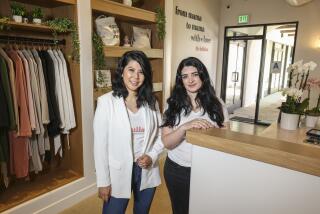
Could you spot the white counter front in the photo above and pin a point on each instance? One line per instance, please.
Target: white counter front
(234, 173)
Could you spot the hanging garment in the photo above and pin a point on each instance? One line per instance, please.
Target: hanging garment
(70, 108)
(21, 91)
(39, 138)
(43, 90)
(49, 74)
(7, 91)
(34, 90)
(4, 112)
(58, 89)
(19, 155)
(12, 78)
(31, 107)
(4, 123)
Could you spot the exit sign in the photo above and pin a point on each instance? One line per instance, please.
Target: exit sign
(243, 19)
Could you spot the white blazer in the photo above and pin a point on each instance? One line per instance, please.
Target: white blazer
(113, 150)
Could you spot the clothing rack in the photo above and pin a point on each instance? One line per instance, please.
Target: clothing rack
(6, 39)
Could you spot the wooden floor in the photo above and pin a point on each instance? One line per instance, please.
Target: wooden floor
(161, 202)
(93, 205)
(21, 190)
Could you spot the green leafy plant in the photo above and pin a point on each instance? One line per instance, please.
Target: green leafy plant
(37, 13)
(4, 23)
(17, 9)
(64, 25)
(294, 106)
(99, 58)
(161, 23)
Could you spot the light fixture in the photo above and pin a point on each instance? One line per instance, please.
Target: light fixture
(297, 2)
(318, 43)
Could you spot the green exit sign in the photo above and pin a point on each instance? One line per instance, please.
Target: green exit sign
(243, 19)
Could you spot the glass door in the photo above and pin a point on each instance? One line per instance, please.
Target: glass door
(235, 74)
(254, 72)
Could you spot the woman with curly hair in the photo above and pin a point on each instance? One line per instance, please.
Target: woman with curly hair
(192, 105)
(127, 142)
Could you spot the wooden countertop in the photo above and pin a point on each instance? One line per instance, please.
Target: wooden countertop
(274, 146)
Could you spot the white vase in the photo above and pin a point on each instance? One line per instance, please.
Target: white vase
(127, 2)
(289, 121)
(311, 121)
(36, 21)
(17, 18)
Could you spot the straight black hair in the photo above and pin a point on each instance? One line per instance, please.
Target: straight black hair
(144, 95)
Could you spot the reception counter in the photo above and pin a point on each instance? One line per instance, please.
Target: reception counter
(273, 172)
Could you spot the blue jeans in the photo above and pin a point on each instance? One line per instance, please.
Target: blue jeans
(142, 199)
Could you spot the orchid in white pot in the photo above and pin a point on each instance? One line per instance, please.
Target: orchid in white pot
(293, 106)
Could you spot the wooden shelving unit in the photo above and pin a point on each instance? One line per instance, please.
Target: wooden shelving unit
(29, 27)
(126, 17)
(50, 3)
(60, 170)
(122, 11)
(118, 51)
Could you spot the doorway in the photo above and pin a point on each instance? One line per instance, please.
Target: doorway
(254, 70)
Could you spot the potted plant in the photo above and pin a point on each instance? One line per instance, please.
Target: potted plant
(102, 76)
(312, 115)
(293, 107)
(135, 3)
(18, 11)
(4, 23)
(37, 15)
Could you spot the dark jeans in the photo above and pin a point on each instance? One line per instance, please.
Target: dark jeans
(142, 199)
(178, 183)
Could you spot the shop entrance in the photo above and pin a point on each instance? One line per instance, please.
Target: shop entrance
(254, 70)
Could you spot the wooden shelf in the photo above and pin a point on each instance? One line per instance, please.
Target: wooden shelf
(123, 12)
(49, 4)
(29, 27)
(117, 51)
(97, 92)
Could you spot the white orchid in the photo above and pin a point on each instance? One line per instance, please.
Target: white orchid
(293, 92)
(309, 66)
(297, 67)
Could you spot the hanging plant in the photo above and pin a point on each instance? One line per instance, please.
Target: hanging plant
(99, 58)
(4, 23)
(64, 25)
(161, 23)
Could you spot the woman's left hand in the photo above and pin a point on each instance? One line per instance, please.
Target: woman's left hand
(144, 161)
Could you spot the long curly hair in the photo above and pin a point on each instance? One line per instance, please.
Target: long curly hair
(179, 101)
(144, 93)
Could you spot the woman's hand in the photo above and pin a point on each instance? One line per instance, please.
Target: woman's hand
(144, 161)
(104, 193)
(197, 124)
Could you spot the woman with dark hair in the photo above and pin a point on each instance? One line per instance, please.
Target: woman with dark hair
(192, 104)
(127, 141)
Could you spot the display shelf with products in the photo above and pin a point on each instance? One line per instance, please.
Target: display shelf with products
(126, 18)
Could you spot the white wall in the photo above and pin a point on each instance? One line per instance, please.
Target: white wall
(183, 46)
(274, 11)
